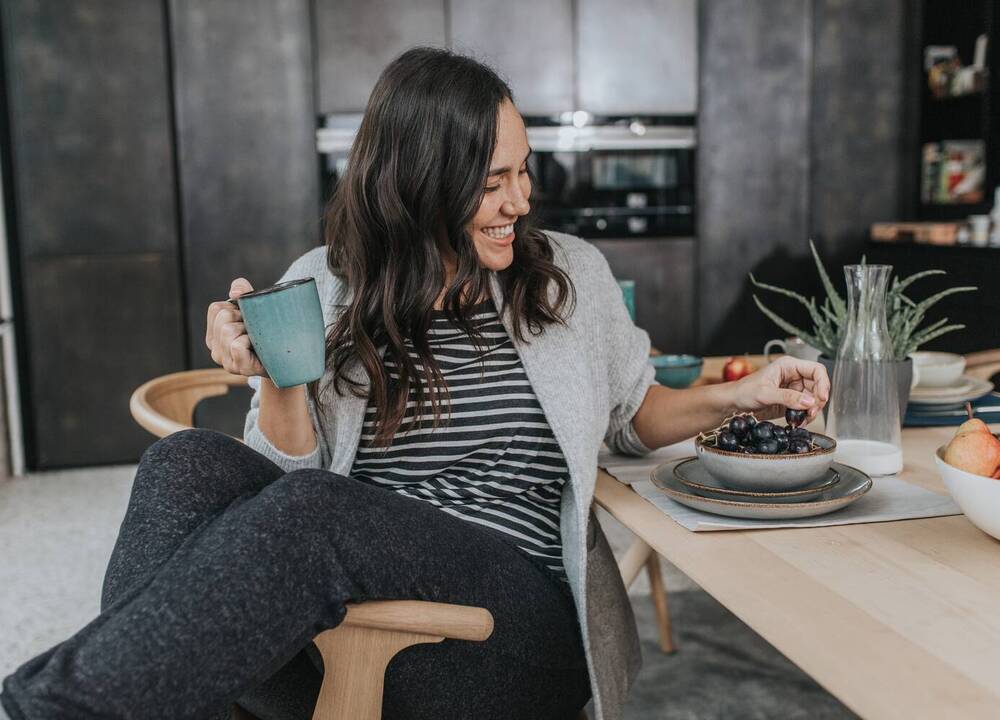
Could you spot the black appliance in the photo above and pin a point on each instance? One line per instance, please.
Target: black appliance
(614, 178)
(609, 178)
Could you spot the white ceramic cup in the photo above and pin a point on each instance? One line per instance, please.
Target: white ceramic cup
(938, 369)
(980, 230)
(915, 376)
(793, 346)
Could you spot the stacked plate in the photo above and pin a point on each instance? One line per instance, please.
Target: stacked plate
(687, 482)
(942, 384)
(762, 487)
(965, 388)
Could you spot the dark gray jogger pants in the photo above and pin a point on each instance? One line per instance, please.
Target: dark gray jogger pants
(226, 567)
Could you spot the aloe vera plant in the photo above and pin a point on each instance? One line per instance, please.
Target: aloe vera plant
(904, 315)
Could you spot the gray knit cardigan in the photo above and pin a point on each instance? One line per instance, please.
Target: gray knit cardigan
(590, 377)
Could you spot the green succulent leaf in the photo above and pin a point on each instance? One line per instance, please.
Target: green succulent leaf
(781, 291)
(910, 279)
(786, 326)
(924, 305)
(831, 292)
(924, 338)
(903, 315)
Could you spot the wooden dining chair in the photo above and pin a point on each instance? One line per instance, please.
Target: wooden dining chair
(983, 364)
(356, 652)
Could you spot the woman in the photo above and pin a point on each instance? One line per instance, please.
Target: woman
(474, 366)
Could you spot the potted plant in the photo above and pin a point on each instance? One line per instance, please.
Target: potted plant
(903, 318)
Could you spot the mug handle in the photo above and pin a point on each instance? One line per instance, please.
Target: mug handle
(774, 343)
(915, 376)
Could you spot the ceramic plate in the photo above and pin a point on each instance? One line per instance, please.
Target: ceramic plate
(853, 484)
(978, 389)
(962, 385)
(693, 474)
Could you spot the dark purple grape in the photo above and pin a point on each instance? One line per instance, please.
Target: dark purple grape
(798, 447)
(762, 431)
(738, 426)
(728, 442)
(767, 447)
(800, 433)
(751, 420)
(795, 417)
(781, 437)
(748, 449)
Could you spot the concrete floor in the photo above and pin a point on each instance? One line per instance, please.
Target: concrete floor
(57, 530)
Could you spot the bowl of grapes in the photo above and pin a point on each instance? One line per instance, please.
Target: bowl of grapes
(745, 454)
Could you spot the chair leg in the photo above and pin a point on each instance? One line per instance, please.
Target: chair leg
(633, 561)
(354, 662)
(659, 596)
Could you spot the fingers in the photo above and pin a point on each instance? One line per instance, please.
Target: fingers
(799, 400)
(793, 369)
(244, 359)
(239, 286)
(223, 309)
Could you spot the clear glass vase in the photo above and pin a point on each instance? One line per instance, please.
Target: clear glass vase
(864, 402)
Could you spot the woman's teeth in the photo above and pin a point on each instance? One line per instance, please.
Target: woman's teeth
(499, 232)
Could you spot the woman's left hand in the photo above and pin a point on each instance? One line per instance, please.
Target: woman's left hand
(785, 383)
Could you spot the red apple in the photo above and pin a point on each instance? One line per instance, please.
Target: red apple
(737, 367)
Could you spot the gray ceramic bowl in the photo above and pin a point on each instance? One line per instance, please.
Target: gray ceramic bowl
(768, 472)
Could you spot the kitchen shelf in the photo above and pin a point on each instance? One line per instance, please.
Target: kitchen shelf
(972, 116)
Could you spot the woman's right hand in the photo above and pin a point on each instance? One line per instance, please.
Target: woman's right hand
(227, 337)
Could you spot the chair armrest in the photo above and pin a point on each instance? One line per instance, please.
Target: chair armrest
(417, 616)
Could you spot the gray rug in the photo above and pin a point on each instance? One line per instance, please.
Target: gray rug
(721, 670)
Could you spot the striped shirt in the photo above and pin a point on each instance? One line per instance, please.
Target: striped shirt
(493, 460)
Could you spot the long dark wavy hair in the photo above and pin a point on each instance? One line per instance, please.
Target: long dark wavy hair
(414, 179)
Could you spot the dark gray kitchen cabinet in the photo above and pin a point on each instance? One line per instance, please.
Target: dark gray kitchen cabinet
(529, 42)
(665, 273)
(637, 56)
(799, 137)
(246, 147)
(753, 163)
(92, 165)
(93, 235)
(356, 39)
(857, 112)
(98, 327)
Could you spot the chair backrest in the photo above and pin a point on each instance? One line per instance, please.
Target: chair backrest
(166, 404)
(984, 364)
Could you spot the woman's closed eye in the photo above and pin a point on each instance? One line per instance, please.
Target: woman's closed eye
(491, 188)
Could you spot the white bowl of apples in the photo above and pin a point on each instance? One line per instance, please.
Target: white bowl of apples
(970, 468)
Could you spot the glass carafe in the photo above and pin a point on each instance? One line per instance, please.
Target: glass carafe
(864, 403)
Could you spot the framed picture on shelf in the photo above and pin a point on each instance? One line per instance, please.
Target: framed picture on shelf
(953, 172)
(947, 77)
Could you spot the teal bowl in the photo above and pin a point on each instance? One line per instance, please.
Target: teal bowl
(676, 371)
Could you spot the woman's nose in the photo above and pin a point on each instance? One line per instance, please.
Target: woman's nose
(517, 203)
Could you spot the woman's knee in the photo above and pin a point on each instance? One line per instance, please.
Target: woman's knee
(203, 461)
(192, 443)
(315, 494)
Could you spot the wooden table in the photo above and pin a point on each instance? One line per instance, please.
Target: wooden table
(896, 619)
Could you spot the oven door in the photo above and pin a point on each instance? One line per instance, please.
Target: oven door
(609, 183)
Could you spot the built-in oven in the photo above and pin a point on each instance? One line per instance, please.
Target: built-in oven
(617, 177)
(596, 178)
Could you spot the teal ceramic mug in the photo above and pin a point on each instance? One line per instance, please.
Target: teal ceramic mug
(285, 325)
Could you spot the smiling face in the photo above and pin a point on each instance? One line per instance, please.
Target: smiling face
(505, 196)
